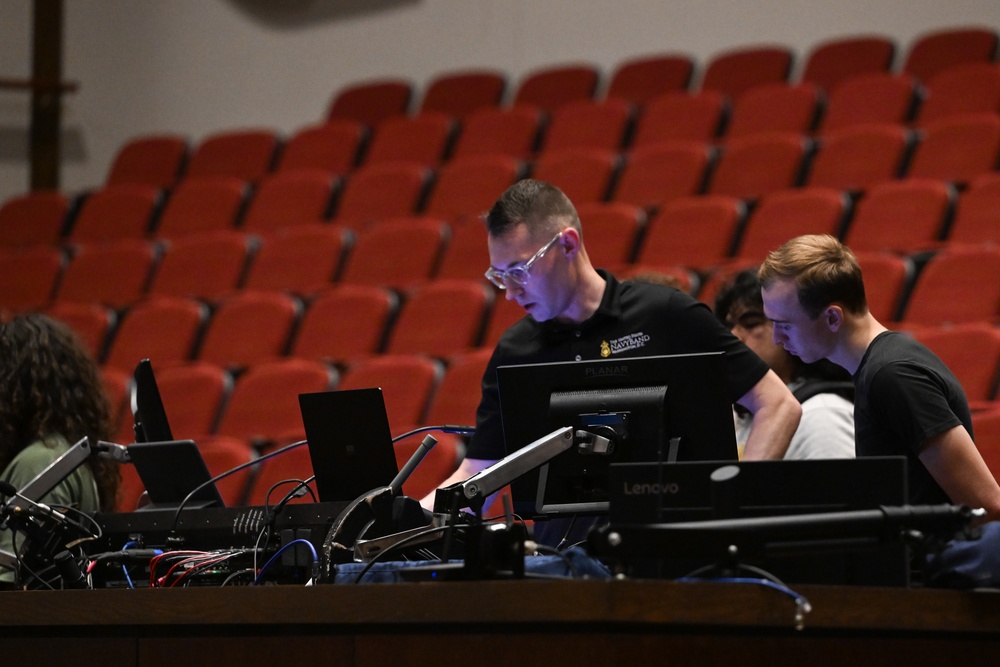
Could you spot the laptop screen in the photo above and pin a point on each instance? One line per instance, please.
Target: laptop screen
(170, 470)
(349, 442)
(151, 424)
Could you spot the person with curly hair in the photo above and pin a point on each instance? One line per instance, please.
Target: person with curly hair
(51, 396)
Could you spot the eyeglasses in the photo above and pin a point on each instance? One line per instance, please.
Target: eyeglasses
(519, 274)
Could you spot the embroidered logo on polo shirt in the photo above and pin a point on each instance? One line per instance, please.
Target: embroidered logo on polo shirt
(624, 344)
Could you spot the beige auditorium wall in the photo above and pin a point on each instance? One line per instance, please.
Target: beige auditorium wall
(199, 66)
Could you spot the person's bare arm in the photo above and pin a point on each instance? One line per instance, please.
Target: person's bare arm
(776, 415)
(957, 466)
(466, 469)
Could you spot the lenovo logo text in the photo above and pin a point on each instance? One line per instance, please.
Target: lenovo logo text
(651, 489)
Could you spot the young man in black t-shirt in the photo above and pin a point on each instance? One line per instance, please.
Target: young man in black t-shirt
(907, 402)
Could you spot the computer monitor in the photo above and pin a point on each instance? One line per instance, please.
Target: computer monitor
(675, 519)
(641, 409)
(150, 418)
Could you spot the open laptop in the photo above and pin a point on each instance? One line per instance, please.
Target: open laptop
(170, 470)
(349, 442)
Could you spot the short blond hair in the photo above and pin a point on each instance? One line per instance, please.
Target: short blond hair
(824, 271)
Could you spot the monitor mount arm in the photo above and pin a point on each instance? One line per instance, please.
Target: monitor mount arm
(475, 490)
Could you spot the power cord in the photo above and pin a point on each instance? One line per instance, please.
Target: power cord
(764, 578)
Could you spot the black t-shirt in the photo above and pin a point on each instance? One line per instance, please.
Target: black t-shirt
(634, 320)
(904, 396)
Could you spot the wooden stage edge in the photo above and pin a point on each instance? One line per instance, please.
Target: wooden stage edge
(497, 606)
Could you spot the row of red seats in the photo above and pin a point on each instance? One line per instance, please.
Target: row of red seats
(696, 233)
(434, 138)
(857, 159)
(338, 325)
(957, 284)
(346, 321)
(349, 320)
(730, 72)
(440, 318)
(259, 404)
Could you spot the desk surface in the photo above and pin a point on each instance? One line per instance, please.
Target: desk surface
(499, 623)
(526, 602)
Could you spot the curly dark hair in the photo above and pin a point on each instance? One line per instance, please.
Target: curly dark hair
(50, 385)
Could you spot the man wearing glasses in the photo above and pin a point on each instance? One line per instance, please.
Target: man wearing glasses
(576, 312)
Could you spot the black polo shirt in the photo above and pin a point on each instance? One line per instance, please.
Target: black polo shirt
(634, 319)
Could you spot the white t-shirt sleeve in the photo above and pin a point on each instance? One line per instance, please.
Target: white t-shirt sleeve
(826, 430)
